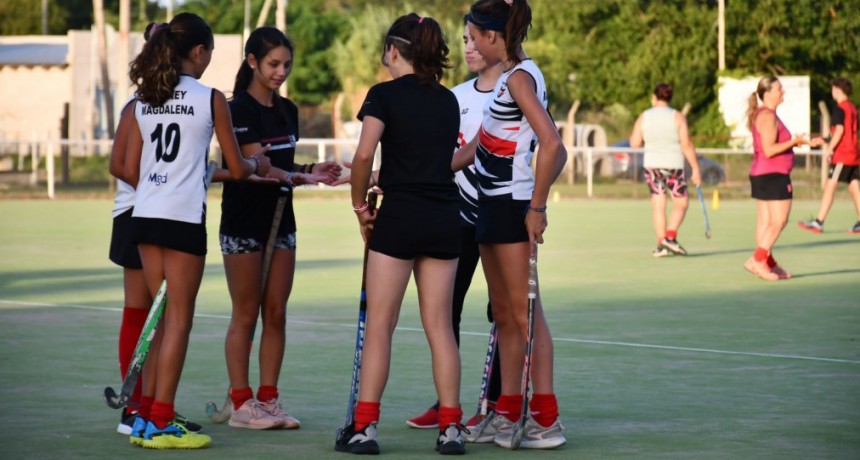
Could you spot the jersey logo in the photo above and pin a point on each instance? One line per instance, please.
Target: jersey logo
(464, 111)
(157, 179)
(502, 90)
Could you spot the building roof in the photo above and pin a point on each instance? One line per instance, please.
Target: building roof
(33, 54)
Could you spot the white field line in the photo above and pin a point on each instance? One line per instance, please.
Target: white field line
(481, 334)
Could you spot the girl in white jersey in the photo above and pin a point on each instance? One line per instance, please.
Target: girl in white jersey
(512, 215)
(166, 159)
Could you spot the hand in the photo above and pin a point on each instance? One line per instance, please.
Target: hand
(263, 162)
(308, 179)
(253, 178)
(817, 142)
(366, 219)
(327, 172)
(536, 224)
(696, 177)
(799, 140)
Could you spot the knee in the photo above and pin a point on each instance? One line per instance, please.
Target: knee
(275, 318)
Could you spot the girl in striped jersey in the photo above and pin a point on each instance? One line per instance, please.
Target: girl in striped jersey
(167, 151)
(512, 214)
(262, 117)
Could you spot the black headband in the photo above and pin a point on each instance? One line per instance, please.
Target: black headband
(485, 22)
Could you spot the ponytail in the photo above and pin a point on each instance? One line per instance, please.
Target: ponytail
(764, 85)
(420, 41)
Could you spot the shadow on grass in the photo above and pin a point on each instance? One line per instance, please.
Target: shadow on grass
(810, 244)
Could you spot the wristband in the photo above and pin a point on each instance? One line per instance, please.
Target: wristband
(256, 164)
(543, 209)
(361, 208)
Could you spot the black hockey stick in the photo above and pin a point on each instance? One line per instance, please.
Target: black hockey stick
(517, 434)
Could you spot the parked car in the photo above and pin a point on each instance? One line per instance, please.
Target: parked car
(629, 165)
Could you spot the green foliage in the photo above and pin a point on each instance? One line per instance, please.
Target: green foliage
(356, 59)
(313, 29)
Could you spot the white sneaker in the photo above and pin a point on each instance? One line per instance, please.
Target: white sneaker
(535, 436)
(450, 441)
(252, 415)
(276, 410)
(486, 431)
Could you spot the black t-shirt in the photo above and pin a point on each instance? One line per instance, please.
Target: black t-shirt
(420, 136)
(838, 117)
(247, 209)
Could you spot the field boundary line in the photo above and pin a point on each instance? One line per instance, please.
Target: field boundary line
(482, 334)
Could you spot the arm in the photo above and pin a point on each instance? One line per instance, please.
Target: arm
(765, 122)
(687, 148)
(465, 156)
(133, 152)
(362, 162)
(118, 150)
(636, 138)
(552, 155)
(239, 167)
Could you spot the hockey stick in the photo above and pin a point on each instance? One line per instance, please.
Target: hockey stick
(517, 434)
(488, 370)
(116, 401)
(705, 212)
(141, 350)
(341, 444)
(222, 415)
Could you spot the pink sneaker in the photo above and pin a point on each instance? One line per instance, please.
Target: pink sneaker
(429, 419)
(276, 410)
(252, 415)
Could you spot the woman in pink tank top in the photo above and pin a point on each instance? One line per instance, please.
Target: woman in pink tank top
(770, 180)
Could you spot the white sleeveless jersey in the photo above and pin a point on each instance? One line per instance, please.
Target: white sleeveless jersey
(507, 141)
(662, 144)
(472, 102)
(124, 199)
(176, 140)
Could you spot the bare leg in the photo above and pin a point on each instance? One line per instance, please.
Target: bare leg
(854, 189)
(435, 281)
(658, 214)
(827, 198)
(679, 210)
(778, 212)
(243, 281)
(387, 278)
(274, 338)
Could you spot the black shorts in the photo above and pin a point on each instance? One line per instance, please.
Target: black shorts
(408, 227)
(771, 187)
(501, 221)
(847, 174)
(123, 251)
(172, 234)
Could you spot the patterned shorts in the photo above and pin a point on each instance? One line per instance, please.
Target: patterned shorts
(661, 180)
(237, 245)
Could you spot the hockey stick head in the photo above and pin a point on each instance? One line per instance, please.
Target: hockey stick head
(219, 416)
(113, 400)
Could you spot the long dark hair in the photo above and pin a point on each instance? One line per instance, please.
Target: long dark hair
(155, 70)
(420, 41)
(511, 19)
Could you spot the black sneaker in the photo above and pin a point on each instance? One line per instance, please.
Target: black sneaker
(450, 441)
(188, 424)
(358, 442)
(855, 228)
(674, 246)
(126, 421)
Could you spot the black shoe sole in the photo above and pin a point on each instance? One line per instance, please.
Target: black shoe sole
(451, 448)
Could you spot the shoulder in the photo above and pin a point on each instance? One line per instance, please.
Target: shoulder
(465, 88)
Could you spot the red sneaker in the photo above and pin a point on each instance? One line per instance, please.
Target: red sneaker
(429, 419)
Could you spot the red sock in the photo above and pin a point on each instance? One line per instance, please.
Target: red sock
(365, 414)
(133, 320)
(267, 393)
(449, 415)
(544, 409)
(240, 396)
(771, 262)
(510, 406)
(671, 234)
(144, 409)
(162, 414)
(760, 255)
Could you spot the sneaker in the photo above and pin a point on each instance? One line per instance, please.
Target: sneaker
(358, 442)
(475, 420)
(188, 424)
(812, 225)
(487, 430)
(661, 251)
(276, 410)
(535, 436)
(173, 436)
(855, 228)
(674, 246)
(138, 430)
(252, 415)
(760, 269)
(126, 421)
(427, 420)
(450, 441)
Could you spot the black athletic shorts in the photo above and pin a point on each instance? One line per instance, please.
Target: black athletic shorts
(847, 174)
(771, 187)
(123, 251)
(501, 221)
(409, 226)
(173, 234)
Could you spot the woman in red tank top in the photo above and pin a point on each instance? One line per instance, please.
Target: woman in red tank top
(770, 180)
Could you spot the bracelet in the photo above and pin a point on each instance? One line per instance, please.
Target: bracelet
(543, 209)
(361, 208)
(309, 169)
(256, 164)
